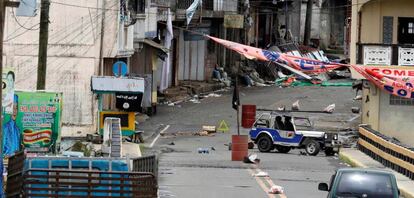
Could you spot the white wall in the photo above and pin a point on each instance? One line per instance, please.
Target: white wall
(73, 55)
(396, 120)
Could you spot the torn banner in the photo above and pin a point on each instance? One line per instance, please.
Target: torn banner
(303, 64)
(394, 81)
(398, 86)
(189, 13)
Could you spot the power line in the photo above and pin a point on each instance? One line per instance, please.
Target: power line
(18, 23)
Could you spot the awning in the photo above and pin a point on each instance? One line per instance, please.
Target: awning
(162, 51)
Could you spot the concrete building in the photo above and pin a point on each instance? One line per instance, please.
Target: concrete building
(85, 38)
(382, 34)
(328, 21)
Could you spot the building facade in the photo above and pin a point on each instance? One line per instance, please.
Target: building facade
(382, 35)
(85, 37)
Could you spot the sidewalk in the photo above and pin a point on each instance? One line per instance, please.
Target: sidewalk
(357, 158)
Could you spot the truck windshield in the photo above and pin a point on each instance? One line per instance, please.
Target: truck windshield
(362, 184)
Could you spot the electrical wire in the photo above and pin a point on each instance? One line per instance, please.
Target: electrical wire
(18, 23)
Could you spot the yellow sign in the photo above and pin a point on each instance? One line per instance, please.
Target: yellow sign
(223, 126)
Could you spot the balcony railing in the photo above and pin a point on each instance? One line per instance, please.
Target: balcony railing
(385, 54)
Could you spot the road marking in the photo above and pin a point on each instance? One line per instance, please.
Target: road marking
(158, 136)
(261, 184)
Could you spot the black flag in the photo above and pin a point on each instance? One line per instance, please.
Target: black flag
(236, 99)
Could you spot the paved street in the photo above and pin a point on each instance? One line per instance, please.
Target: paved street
(186, 173)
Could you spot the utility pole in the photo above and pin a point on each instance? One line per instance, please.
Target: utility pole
(3, 5)
(308, 23)
(43, 41)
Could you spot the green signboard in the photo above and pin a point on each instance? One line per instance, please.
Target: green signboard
(39, 120)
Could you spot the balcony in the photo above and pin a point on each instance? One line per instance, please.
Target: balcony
(210, 8)
(385, 54)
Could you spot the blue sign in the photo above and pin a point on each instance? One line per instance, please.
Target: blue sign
(120, 68)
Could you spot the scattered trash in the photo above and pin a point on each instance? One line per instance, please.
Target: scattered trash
(209, 129)
(295, 106)
(251, 159)
(195, 101)
(358, 97)
(203, 150)
(213, 149)
(250, 145)
(330, 108)
(203, 133)
(275, 189)
(281, 108)
(213, 95)
(228, 145)
(261, 174)
(172, 143)
(355, 109)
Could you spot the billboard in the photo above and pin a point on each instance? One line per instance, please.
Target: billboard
(39, 120)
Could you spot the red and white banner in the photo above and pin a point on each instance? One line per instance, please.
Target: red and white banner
(398, 82)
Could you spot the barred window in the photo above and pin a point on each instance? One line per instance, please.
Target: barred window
(395, 100)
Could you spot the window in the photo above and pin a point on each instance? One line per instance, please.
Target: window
(410, 28)
(396, 100)
(405, 30)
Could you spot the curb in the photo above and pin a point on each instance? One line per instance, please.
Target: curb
(355, 163)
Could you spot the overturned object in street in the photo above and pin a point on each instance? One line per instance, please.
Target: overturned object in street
(330, 108)
(295, 106)
(275, 189)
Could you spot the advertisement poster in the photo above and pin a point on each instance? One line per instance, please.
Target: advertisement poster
(8, 90)
(39, 120)
(11, 135)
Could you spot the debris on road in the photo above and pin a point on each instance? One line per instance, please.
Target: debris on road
(355, 109)
(251, 159)
(295, 106)
(250, 145)
(261, 174)
(203, 150)
(330, 108)
(358, 97)
(209, 129)
(203, 133)
(275, 189)
(172, 143)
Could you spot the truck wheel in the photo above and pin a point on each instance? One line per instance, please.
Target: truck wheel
(329, 152)
(264, 143)
(283, 149)
(312, 147)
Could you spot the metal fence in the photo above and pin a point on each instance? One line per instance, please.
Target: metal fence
(15, 175)
(146, 164)
(387, 151)
(76, 183)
